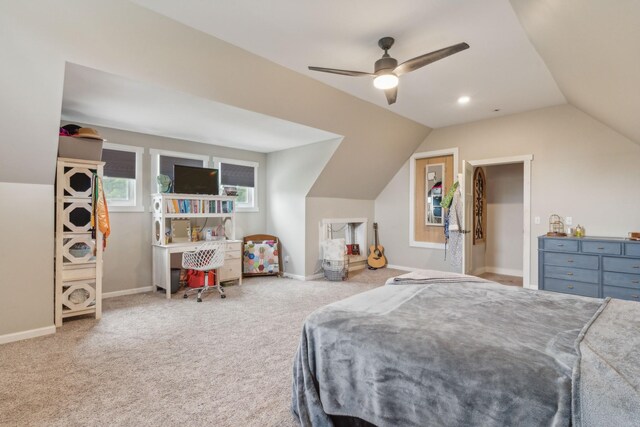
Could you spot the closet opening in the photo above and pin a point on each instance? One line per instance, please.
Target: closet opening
(498, 244)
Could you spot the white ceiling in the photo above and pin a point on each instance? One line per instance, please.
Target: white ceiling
(104, 99)
(501, 70)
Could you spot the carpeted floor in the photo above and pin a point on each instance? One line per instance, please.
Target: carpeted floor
(152, 361)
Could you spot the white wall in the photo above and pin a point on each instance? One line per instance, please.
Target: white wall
(578, 163)
(504, 218)
(26, 264)
(319, 208)
(290, 175)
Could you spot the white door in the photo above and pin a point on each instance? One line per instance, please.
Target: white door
(467, 215)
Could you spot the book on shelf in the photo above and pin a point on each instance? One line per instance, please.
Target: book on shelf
(196, 206)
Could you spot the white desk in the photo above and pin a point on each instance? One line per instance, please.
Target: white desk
(161, 256)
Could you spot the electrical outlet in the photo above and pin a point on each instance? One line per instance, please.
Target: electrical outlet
(568, 220)
(536, 220)
(286, 259)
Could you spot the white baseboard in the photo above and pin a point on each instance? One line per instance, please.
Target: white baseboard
(400, 267)
(127, 292)
(315, 276)
(479, 271)
(31, 333)
(293, 276)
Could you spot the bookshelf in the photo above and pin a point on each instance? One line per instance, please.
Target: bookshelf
(171, 206)
(78, 253)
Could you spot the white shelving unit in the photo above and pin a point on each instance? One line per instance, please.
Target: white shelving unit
(168, 206)
(78, 256)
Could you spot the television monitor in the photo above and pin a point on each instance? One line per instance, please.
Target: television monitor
(194, 180)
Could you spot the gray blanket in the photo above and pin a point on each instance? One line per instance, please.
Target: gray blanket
(441, 354)
(606, 384)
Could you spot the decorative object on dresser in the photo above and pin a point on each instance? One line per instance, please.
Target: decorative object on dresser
(262, 255)
(556, 227)
(78, 260)
(634, 235)
(167, 207)
(590, 266)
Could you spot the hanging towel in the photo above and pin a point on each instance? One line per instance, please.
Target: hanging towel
(100, 211)
(455, 243)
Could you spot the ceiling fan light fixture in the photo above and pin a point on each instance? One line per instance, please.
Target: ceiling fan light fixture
(385, 81)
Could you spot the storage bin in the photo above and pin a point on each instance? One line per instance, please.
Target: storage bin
(79, 148)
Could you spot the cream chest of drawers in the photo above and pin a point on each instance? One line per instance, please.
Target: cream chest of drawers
(592, 267)
(232, 268)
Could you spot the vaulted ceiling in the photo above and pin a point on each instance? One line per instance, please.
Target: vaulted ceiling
(524, 54)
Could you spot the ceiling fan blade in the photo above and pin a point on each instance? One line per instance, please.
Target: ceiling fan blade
(342, 72)
(391, 95)
(428, 58)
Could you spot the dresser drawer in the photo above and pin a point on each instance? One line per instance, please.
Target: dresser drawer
(232, 255)
(608, 248)
(230, 271)
(561, 245)
(621, 293)
(622, 265)
(632, 249)
(577, 274)
(234, 246)
(568, 287)
(621, 279)
(571, 260)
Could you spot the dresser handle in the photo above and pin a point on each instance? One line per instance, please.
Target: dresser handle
(600, 249)
(635, 296)
(636, 266)
(570, 287)
(569, 274)
(570, 261)
(635, 281)
(560, 245)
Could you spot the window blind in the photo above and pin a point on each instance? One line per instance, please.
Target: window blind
(239, 175)
(119, 164)
(167, 163)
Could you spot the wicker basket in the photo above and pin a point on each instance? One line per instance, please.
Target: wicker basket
(335, 271)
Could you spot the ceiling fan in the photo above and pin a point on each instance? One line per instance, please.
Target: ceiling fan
(387, 70)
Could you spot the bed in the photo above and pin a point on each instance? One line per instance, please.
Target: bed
(435, 349)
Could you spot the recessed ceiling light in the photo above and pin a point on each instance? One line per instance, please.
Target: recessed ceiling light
(464, 99)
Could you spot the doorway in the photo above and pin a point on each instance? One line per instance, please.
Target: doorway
(498, 244)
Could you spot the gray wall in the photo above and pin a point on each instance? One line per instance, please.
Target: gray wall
(581, 168)
(35, 37)
(290, 175)
(127, 260)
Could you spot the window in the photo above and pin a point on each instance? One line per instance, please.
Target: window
(162, 163)
(122, 177)
(242, 175)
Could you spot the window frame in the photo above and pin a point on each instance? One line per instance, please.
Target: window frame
(155, 163)
(255, 166)
(139, 152)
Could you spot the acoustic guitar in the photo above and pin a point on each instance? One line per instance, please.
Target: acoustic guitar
(376, 257)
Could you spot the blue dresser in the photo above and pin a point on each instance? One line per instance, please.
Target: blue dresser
(590, 266)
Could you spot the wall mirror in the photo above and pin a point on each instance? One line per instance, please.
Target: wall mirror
(434, 187)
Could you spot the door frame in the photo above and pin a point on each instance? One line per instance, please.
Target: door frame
(526, 208)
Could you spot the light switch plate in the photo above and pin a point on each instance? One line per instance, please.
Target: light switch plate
(536, 220)
(568, 220)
